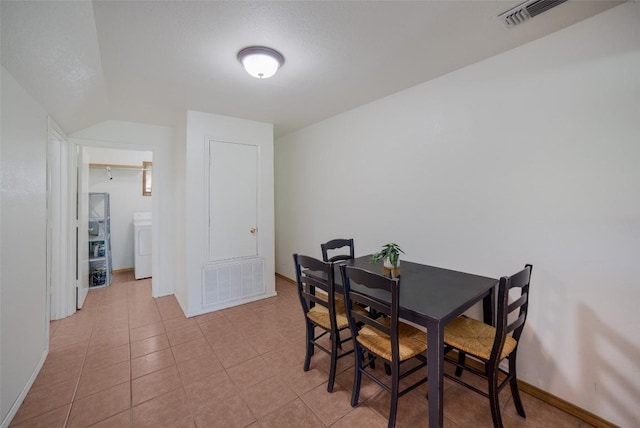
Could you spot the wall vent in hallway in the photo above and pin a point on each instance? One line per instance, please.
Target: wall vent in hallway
(231, 281)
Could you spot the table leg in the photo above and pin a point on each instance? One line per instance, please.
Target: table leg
(489, 307)
(435, 364)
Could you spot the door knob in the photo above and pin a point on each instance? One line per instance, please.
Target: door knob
(253, 230)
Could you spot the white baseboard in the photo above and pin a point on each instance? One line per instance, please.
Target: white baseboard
(229, 304)
(23, 394)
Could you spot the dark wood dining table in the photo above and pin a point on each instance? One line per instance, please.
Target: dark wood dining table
(431, 297)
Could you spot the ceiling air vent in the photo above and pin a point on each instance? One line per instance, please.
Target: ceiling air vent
(527, 10)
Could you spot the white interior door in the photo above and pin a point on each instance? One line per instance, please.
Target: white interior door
(82, 227)
(233, 200)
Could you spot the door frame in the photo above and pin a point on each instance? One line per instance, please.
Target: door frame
(60, 229)
(62, 271)
(81, 221)
(156, 238)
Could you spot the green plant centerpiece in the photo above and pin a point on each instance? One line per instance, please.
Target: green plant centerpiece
(390, 254)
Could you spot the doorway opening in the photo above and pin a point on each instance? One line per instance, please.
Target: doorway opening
(125, 176)
(72, 178)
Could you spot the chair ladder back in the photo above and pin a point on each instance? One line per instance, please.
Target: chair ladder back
(372, 322)
(312, 282)
(365, 319)
(335, 244)
(517, 303)
(369, 280)
(307, 282)
(365, 301)
(519, 280)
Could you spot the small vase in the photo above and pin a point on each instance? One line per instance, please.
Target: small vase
(389, 269)
(387, 263)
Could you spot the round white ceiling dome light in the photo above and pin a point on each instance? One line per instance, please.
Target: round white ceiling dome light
(260, 62)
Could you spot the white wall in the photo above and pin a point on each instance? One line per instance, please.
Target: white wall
(201, 127)
(159, 140)
(125, 195)
(531, 156)
(23, 237)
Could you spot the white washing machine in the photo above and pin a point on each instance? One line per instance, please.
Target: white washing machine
(142, 244)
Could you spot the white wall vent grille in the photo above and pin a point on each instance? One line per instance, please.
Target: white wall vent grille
(527, 10)
(232, 281)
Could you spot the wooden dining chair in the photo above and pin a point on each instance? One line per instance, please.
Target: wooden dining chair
(384, 337)
(337, 244)
(491, 344)
(321, 310)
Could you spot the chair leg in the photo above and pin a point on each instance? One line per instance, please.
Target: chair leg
(357, 376)
(387, 369)
(493, 399)
(335, 342)
(310, 346)
(461, 359)
(395, 385)
(513, 383)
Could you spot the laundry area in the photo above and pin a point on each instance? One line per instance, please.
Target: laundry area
(120, 229)
(142, 244)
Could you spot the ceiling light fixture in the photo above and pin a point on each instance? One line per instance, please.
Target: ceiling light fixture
(260, 61)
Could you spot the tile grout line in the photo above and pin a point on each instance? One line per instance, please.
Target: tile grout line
(73, 399)
(226, 371)
(155, 300)
(84, 360)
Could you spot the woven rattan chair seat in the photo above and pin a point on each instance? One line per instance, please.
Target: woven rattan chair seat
(411, 341)
(320, 315)
(475, 337)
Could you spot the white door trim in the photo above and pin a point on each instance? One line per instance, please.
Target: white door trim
(60, 273)
(157, 240)
(240, 176)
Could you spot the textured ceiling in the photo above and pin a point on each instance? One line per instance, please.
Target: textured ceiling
(151, 61)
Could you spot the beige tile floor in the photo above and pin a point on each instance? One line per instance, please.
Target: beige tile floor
(128, 360)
